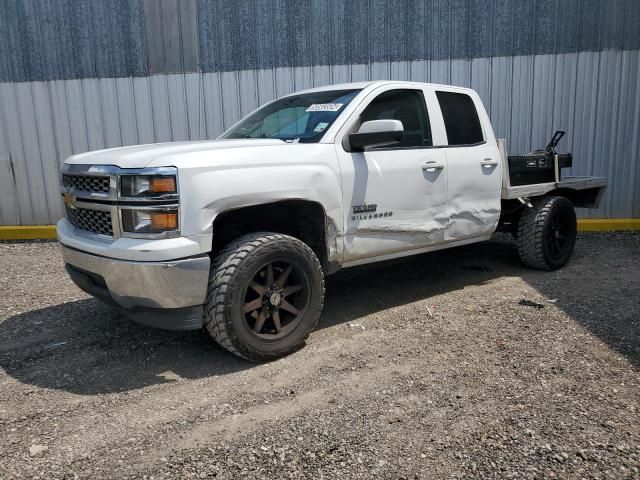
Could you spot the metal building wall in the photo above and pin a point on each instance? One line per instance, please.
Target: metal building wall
(164, 70)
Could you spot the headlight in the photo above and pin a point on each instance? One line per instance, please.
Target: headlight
(147, 185)
(148, 202)
(149, 221)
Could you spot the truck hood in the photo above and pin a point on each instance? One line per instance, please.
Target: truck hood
(140, 156)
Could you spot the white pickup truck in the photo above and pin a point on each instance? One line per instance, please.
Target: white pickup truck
(236, 234)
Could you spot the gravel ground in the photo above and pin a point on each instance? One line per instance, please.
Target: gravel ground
(429, 367)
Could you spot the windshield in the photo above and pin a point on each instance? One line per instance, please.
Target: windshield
(302, 118)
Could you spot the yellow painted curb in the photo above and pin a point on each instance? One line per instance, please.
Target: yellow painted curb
(44, 232)
(608, 224)
(27, 232)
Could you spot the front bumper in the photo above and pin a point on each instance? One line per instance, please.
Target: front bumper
(167, 294)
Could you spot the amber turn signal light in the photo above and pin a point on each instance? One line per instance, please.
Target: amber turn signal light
(162, 185)
(164, 221)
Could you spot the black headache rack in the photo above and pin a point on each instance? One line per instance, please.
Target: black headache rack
(539, 166)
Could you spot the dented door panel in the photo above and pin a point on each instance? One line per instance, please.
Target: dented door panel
(391, 202)
(474, 177)
(473, 191)
(394, 198)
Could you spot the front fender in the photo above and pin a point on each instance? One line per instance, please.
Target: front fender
(244, 177)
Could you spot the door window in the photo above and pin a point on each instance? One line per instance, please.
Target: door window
(460, 118)
(407, 106)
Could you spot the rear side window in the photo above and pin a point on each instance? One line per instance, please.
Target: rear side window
(460, 118)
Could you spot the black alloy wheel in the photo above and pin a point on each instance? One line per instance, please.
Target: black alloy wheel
(276, 299)
(560, 234)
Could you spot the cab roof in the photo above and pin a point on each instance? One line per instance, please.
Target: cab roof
(374, 83)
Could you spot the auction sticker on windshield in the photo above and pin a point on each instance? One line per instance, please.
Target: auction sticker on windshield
(324, 107)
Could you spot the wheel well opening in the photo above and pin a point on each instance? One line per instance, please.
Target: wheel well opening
(511, 210)
(304, 220)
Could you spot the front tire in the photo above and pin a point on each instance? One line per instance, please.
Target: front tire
(547, 233)
(265, 295)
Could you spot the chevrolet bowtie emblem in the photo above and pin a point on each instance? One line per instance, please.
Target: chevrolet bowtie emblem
(70, 199)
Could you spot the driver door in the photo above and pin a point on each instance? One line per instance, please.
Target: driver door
(394, 196)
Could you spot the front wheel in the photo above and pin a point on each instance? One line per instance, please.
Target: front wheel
(547, 233)
(265, 295)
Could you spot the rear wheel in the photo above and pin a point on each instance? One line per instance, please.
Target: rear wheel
(265, 295)
(547, 233)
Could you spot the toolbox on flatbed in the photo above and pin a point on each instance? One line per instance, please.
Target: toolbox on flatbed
(540, 166)
(536, 167)
(539, 172)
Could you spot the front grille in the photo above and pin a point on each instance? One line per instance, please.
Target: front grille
(87, 183)
(96, 221)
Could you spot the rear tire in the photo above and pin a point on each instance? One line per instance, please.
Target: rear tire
(265, 295)
(547, 233)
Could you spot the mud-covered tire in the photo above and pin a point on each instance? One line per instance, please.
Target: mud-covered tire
(233, 272)
(547, 233)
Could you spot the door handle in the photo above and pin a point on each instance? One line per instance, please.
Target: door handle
(488, 162)
(432, 166)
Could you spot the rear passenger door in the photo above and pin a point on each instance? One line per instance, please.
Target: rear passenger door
(474, 170)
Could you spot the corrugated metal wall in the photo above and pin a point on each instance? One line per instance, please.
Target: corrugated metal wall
(109, 84)
(71, 39)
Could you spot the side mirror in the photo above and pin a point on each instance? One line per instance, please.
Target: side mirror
(377, 133)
